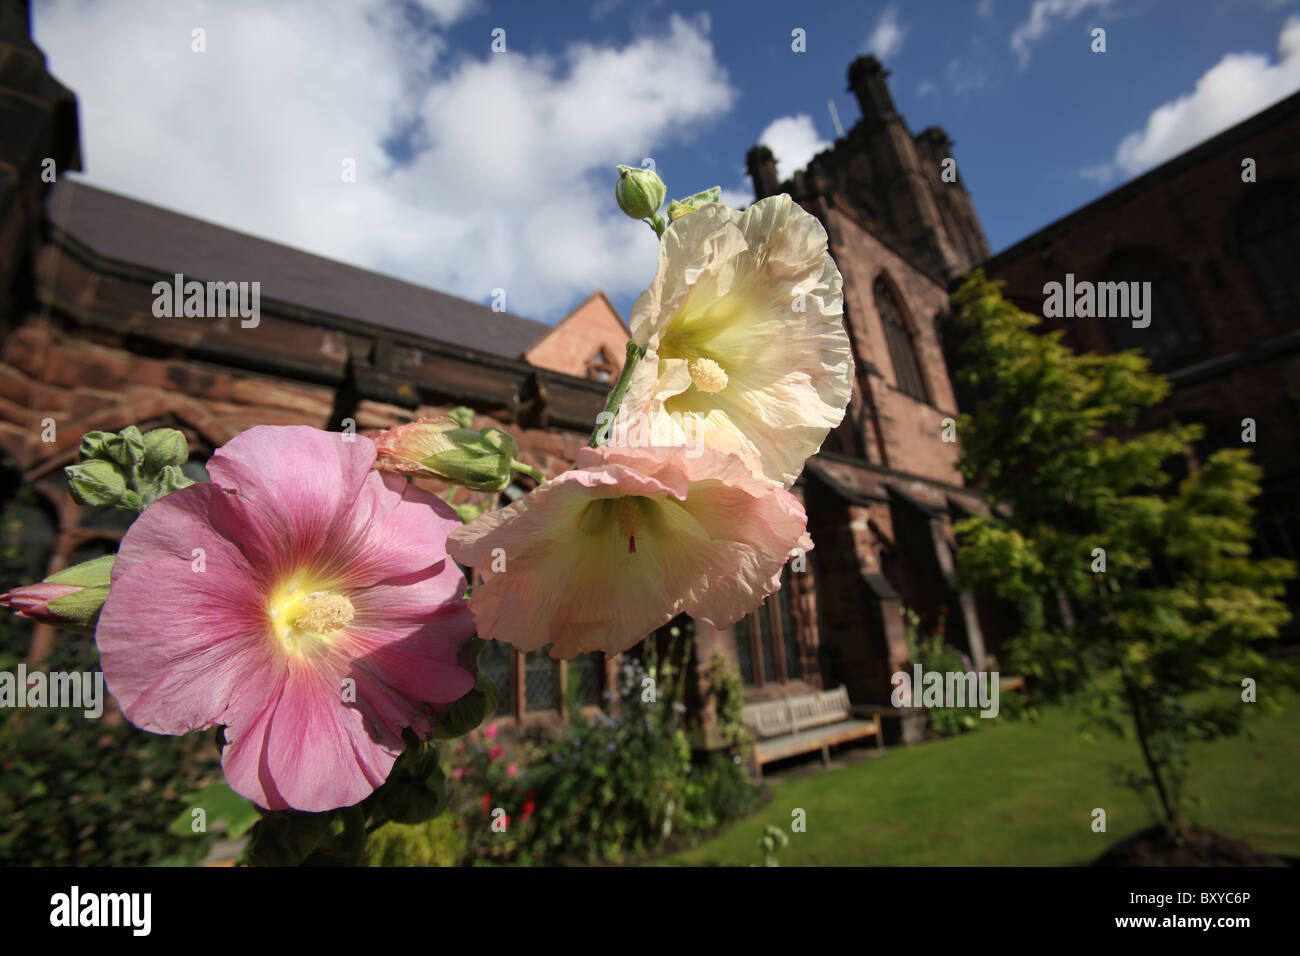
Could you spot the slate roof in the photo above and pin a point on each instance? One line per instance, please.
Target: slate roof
(136, 233)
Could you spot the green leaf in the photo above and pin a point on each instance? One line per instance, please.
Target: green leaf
(470, 711)
(218, 802)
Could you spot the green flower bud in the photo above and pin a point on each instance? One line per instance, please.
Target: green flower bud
(681, 207)
(478, 460)
(81, 607)
(96, 483)
(164, 447)
(640, 192)
(171, 479)
(126, 448)
(88, 574)
(462, 416)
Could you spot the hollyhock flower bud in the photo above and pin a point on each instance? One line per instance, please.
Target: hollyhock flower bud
(32, 601)
(440, 448)
(640, 192)
(600, 556)
(745, 340)
(681, 207)
(324, 620)
(72, 596)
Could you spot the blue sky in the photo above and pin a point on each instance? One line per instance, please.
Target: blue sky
(480, 171)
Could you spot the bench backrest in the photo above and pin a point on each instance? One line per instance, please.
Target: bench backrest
(788, 715)
(823, 707)
(771, 718)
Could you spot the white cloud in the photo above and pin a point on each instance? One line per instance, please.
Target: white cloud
(793, 140)
(887, 37)
(737, 198)
(506, 175)
(1238, 86)
(985, 9)
(926, 89)
(1040, 20)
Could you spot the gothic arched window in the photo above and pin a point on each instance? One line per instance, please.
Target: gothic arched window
(1269, 239)
(898, 338)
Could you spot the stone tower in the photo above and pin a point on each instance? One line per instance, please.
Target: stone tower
(38, 141)
(893, 181)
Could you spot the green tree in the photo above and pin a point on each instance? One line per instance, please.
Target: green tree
(1085, 509)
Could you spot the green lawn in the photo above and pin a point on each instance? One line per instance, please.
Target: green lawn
(1017, 794)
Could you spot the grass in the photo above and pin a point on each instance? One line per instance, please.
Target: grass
(1018, 793)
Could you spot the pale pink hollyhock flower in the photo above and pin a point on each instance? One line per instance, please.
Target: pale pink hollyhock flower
(747, 351)
(600, 556)
(300, 600)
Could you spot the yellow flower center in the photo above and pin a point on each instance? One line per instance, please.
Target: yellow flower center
(303, 617)
(706, 374)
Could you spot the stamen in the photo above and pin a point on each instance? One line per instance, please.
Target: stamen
(706, 374)
(627, 512)
(324, 611)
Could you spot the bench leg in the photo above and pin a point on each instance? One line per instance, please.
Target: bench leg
(826, 755)
(758, 766)
(880, 734)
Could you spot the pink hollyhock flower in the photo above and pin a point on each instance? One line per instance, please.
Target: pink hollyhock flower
(458, 773)
(300, 600)
(496, 752)
(490, 731)
(512, 769)
(600, 556)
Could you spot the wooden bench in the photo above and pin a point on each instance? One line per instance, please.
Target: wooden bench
(802, 724)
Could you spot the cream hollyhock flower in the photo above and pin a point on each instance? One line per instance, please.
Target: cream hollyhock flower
(596, 559)
(746, 348)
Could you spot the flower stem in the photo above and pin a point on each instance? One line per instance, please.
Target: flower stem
(601, 433)
(528, 470)
(658, 224)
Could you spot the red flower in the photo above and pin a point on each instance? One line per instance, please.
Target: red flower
(487, 803)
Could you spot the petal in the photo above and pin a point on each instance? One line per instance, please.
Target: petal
(206, 652)
(298, 478)
(319, 752)
(393, 530)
